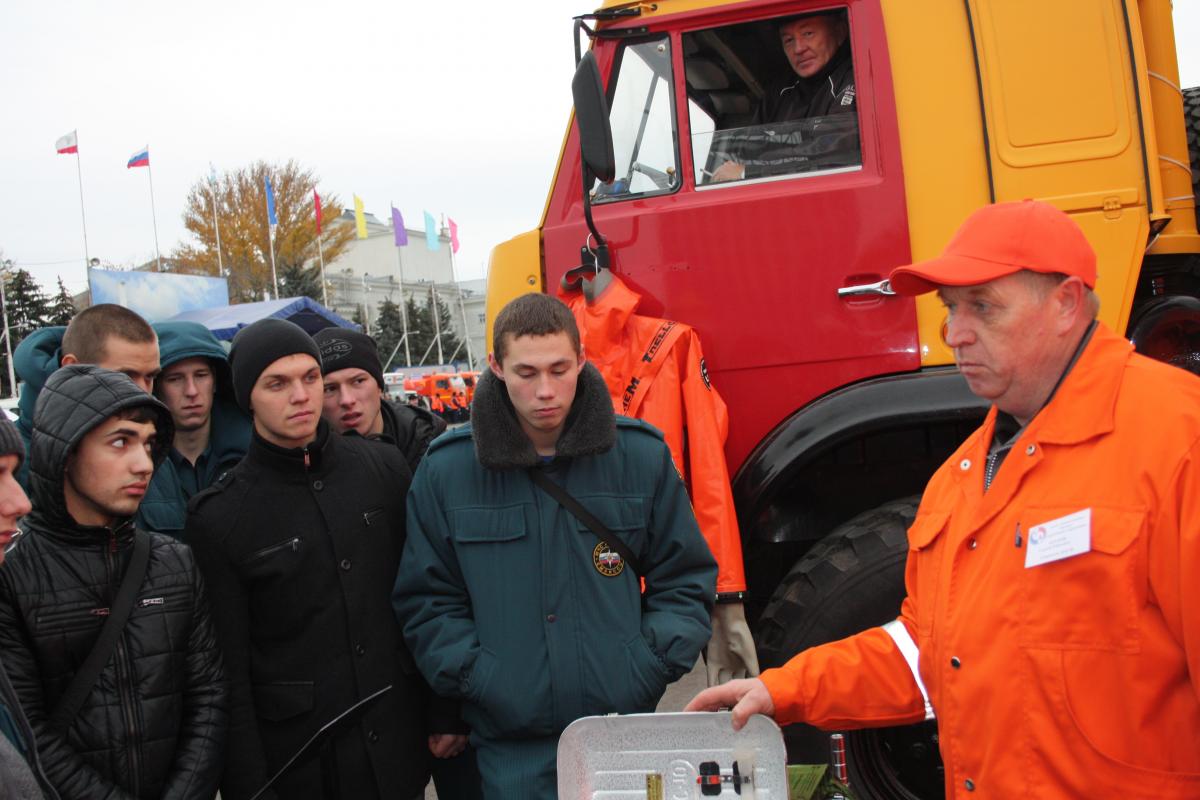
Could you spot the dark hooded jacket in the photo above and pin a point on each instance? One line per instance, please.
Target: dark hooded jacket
(154, 723)
(510, 602)
(164, 508)
(300, 547)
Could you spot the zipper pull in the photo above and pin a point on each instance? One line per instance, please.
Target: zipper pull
(1017, 540)
(307, 458)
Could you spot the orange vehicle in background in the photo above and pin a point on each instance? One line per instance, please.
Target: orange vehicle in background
(439, 385)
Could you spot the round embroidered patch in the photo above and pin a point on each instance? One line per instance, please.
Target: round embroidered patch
(608, 561)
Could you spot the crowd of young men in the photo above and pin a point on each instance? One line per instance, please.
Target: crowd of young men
(324, 631)
(211, 570)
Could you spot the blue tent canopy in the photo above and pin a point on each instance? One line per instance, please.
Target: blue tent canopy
(226, 321)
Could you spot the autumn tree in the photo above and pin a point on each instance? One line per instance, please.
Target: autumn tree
(245, 251)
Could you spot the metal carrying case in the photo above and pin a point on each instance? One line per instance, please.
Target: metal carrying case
(672, 757)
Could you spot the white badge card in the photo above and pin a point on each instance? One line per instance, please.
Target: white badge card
(1059, 538)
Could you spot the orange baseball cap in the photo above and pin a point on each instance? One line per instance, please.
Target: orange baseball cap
(1001, 239)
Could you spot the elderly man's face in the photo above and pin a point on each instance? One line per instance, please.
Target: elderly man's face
(810, 43)
(1005, 339)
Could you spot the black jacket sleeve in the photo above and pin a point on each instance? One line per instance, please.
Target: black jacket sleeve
(200, 753)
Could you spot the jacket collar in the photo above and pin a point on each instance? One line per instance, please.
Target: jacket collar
(290, 462)
(1083, 407)
(500, 443)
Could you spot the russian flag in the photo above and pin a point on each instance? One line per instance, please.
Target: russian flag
(139, 159)
(67, 144)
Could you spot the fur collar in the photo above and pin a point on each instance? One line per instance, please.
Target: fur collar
(591, 427)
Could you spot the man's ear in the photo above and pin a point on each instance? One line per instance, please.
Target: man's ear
(68, 359)
(1070, 297)
(582, 357)
(494, 365)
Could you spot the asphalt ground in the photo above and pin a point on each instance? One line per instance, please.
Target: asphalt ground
(677, 696)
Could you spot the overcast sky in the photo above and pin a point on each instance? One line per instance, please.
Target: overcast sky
(457, 108)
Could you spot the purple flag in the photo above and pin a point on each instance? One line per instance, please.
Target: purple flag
(398, 228)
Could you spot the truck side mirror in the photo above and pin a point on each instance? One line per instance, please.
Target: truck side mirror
(591, 115)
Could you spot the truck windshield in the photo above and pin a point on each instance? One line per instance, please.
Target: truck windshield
(643, 123)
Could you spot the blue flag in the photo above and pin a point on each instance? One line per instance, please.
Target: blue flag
(271, 218)
(431, 233)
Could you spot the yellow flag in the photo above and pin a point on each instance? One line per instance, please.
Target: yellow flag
(360, 221)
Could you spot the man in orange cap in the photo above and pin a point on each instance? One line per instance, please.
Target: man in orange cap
(1051, 621)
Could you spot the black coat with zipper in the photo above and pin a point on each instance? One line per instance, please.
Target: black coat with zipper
(300, 548)
(154, 723)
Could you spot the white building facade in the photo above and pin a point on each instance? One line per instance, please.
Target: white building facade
(373, 269)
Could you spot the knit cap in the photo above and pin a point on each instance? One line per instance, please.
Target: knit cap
(342, 348)
(258, 346)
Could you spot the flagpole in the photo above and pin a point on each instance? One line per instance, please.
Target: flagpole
(437, 319)
(212, 187)
(87, 260)
(403, 302)
(153, 216)
(321, 259)
(462, 305)
(403, 308)
(271, 244)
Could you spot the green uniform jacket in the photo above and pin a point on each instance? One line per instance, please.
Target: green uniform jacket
(503, 593)
(164, 508)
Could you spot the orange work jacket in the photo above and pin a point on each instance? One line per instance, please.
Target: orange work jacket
(655, 372)
(1078, 678)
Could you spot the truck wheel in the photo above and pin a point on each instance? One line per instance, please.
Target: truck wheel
(1191, 123)
(853, 580)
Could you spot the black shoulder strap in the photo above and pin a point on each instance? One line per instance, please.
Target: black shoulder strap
(72, 699)
(586, 517)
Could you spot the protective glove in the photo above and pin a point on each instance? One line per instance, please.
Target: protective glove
(730, 653)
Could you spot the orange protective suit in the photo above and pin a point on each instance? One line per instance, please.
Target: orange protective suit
(655, 372)
(1075, 678)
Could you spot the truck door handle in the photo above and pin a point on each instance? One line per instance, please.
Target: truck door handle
(882, 287)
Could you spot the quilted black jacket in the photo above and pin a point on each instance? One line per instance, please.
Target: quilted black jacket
(154, 724)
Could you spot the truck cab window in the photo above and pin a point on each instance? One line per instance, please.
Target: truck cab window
(772, 98)
(643, 123)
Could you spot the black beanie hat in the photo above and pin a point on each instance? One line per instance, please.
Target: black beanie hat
(257, 346)
(10, 439)
(342, 348)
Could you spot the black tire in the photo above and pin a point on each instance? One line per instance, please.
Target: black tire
(853, 580)
(1191, 123)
